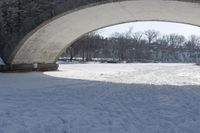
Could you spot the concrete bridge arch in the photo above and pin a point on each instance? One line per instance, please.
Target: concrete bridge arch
(43, 45)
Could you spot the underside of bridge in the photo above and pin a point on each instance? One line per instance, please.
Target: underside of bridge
(40, 48)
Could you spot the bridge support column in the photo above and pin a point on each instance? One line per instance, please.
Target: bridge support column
(28, 67)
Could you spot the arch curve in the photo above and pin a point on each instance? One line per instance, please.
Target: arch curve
(45, 43)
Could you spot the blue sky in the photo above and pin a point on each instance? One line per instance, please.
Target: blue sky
(163, 27)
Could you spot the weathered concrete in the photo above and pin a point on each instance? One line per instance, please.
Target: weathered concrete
(46, 43)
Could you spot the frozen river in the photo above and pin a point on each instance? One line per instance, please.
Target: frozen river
(102, 98)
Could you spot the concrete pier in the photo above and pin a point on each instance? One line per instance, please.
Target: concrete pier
(28, 67)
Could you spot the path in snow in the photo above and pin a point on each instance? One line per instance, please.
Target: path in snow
(102, 98)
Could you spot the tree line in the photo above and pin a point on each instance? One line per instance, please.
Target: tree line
(147, 46)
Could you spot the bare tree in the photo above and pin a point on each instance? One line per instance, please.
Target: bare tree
(195, 40)
(122, 44)
(137, 36)
(175, 40)
(151, 35)
(193, 43)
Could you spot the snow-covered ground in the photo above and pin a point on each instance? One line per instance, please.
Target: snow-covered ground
(158, 74)
(102, 98)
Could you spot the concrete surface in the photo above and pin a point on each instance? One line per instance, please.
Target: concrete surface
(47, 43)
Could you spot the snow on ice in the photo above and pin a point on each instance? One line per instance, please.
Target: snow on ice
(102, 98)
